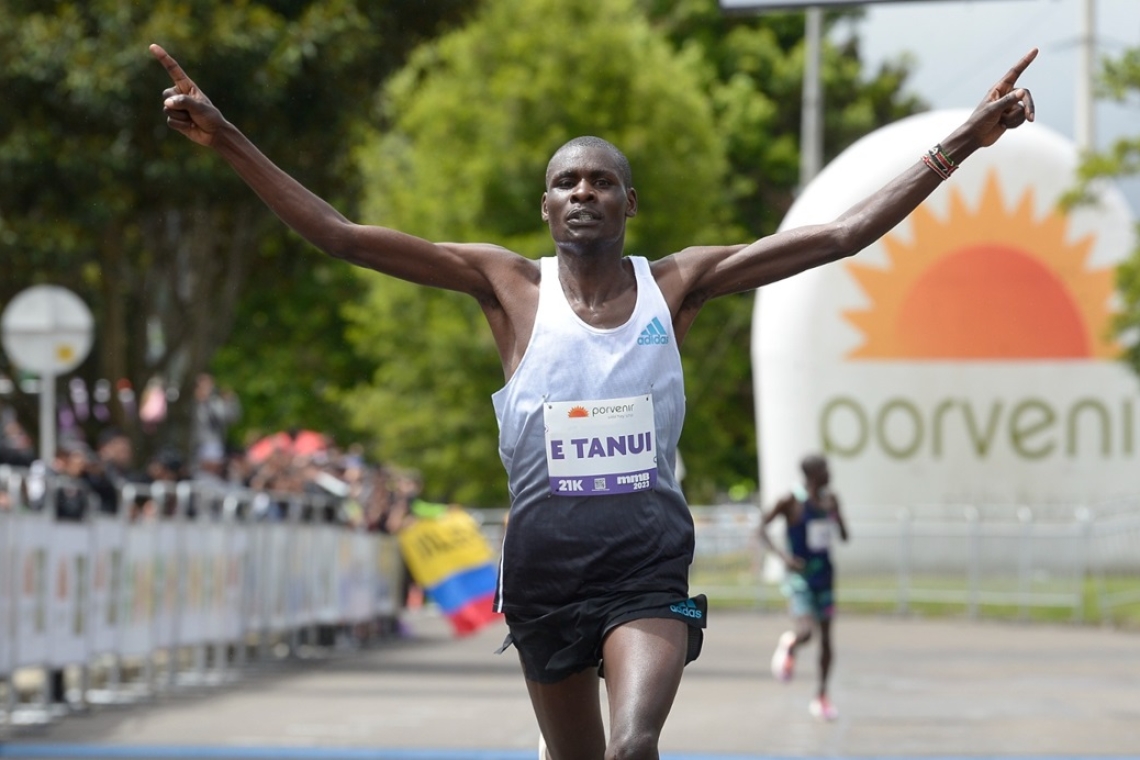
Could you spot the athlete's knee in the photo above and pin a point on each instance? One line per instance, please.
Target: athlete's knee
(633, 744)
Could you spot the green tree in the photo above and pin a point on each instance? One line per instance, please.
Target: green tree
(160, 239)
(472, 122)
(680, 86)
(1119, 81)
(756, 91)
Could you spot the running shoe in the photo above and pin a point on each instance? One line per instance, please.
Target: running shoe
(783, 661)
(822, 709)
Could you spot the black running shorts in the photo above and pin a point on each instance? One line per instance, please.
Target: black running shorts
(568, 639)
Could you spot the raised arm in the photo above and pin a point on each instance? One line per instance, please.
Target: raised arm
(464, 268)
(694, 275)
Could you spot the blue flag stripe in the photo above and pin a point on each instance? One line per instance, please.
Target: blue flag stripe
(456, 591)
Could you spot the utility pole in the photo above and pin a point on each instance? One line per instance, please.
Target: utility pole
(811, 116)
(811, 120)
(1084, 131)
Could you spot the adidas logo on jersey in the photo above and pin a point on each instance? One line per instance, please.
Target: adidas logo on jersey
(654, 334)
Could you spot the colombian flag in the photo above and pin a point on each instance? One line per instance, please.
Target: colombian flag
(449, 557)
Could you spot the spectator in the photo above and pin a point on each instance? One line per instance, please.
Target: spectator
(67, 482)
(112, 468)
(210, 467)
(72, 492)
(102, 473)
(214, 412)
(117, 454)
(164, 470)
(16, 447)
(165, 466)
(152, 411)
(407, 507)
(105, 488)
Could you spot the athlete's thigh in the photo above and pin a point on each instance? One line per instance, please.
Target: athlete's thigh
(569, 715)
(643, 661)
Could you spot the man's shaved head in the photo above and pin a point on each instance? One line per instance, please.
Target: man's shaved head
(813, 466)
(589, 141)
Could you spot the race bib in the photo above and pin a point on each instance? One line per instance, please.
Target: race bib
(819, 535)
(594, 448)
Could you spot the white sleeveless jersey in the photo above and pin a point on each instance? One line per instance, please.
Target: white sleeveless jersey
(588, 430)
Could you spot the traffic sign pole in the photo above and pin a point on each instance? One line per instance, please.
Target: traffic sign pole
(47, 329)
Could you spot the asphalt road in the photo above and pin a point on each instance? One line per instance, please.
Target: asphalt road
(904, 688)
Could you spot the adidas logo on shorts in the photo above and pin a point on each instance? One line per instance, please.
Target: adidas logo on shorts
(688, 608)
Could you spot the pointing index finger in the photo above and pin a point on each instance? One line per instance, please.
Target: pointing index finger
(1010, 78)
(182, 82)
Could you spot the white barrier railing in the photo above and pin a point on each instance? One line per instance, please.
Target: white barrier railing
(183, 598)
(978, 558)
(202, 579)
(974, 557)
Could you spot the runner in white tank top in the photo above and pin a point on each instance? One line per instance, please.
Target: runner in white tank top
(639, 597)
(590, 421)
(589, 424)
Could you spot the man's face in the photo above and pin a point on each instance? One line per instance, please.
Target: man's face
(118, 451)
(203, 387)
(74, 464)
(817, 473)
(586, 202)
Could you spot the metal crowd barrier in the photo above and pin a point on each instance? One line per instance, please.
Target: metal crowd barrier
(213, 580)
(185, 597)
(1054, 561)
(977, 560)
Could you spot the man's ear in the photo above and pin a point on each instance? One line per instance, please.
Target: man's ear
(545, 213)
(631, 202)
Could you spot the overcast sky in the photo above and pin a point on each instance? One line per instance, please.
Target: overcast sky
(961, 47)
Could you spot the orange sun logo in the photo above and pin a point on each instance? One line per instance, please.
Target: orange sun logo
(987, 284)
(578, 411)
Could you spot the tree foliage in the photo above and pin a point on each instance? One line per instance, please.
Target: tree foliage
(706, 109)
(472, 122)
(756, 92)
(1119, 81)
(158, 237)
(172, 251)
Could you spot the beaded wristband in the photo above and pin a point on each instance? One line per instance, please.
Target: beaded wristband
(939, 162)
(935, 167)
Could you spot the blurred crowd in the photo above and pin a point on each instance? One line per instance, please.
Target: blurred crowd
(294, 474)
(284, 469)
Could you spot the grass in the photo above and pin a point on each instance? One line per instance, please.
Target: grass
(731, 582)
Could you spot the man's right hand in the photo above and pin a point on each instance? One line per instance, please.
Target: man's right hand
(187, 108)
